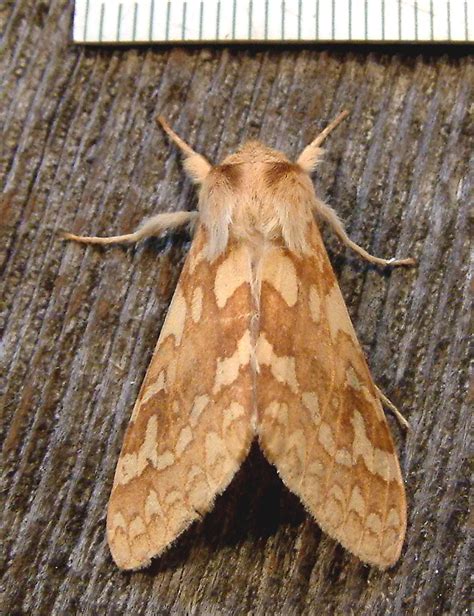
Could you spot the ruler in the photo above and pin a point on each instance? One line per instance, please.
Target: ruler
(243, 21)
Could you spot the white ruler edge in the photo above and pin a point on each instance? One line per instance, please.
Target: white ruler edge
(187, 21)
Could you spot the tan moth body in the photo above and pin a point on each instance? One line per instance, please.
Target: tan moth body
(257, 343)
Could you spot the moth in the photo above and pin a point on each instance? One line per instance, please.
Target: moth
(257, 344)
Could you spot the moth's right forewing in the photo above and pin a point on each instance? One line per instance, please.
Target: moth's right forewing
(191, 425)
(320, 421)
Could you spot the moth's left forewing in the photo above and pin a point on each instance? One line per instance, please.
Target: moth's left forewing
(191, 426)
(320, 421)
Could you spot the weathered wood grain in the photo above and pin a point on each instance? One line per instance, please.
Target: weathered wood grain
(80, 151)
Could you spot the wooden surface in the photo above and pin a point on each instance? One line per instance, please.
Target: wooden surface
(80, 151)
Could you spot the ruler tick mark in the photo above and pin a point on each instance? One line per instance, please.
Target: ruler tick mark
(119, 21)
(86, 20)
(234, 18)
(101, 22)
(135, 12)
(250, 19)
(152, 18)
(183, 25)
(168, 11)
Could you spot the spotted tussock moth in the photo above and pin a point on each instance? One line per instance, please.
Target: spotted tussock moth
(257, 344)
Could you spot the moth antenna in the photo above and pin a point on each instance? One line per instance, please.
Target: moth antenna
(182, 145)
(329, 128)
(310, 155)
(195, 164)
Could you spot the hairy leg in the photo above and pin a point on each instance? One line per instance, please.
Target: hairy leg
(150, 227)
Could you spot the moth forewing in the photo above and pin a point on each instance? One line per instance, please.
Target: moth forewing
(257, 343)
(320, 419)
(190, 428)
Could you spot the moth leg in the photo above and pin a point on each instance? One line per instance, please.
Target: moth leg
(150, 227)
(332, 218)
(389, 404)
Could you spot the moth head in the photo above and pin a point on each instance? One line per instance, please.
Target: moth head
(255, 172)
(254, 152)
(257, 193)
(247, 174)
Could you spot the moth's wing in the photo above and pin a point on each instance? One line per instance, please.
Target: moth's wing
(319, 419)
(191, 426)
